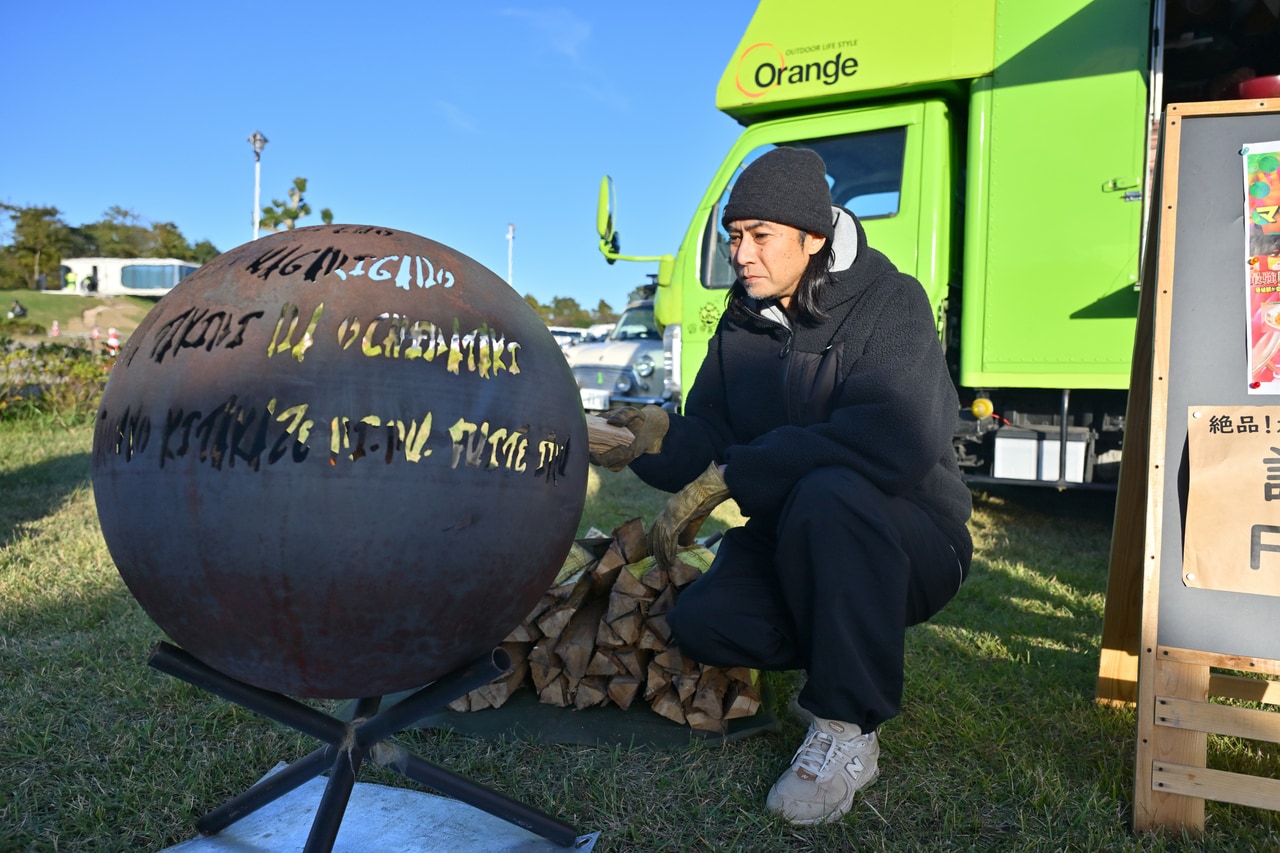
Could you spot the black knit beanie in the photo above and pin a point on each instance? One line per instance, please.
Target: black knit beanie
(787, 185)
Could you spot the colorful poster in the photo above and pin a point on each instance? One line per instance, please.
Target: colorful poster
(1262, 263)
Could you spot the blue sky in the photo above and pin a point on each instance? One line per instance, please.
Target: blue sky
(449, 120)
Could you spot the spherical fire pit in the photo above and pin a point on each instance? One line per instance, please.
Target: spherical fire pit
(340, 461)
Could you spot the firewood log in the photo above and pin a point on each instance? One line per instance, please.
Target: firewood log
(496, 693)
(623, 690)
(657, 681)
(604, 663)
(634, 661)
(631, 541)
(682, 572)
(602, 436)
(600, 635)
(591, 691)
(667, 703)
(658, 627)
(686, 686)
(576, 644)
(664, 603)
(578, 560)
(649, 640)
(670, 659)
(704, 722)
(544, 665)
(556, 692)
(620, 603)
(607, 637)
(556, 619)
(627, 628)
(628, 583)
(656, 578)
(710, 695)
(743, 700)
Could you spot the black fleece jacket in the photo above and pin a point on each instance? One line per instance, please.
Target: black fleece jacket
(866, 388)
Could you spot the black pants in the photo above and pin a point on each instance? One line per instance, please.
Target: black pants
(829, 586)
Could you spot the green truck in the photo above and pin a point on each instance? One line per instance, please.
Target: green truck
(1001, 151)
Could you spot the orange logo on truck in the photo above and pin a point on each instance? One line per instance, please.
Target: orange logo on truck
(764, 66)
(767, 71)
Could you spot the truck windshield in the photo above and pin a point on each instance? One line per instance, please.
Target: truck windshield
(863, 169)
(636, 322)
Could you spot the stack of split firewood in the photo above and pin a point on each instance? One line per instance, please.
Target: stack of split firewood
(599, 636)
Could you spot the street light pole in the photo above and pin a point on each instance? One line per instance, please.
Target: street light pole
(511, 240)
(258, 141)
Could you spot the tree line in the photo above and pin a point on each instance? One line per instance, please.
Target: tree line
(38, 238)
(565, 311)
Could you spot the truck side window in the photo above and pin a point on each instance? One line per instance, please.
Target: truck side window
(865, 173)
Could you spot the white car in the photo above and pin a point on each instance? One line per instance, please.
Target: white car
(567, 336)
(598, 332)
(625, 369)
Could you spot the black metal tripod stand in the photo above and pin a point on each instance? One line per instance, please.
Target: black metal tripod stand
(347, 745)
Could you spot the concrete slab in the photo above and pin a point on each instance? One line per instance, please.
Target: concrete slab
(378, 817)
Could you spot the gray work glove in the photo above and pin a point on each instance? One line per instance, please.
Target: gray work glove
(678, 523)
(648, 425)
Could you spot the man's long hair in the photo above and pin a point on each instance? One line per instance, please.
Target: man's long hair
(804, 304)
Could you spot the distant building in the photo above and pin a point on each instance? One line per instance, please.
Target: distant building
(126, 276)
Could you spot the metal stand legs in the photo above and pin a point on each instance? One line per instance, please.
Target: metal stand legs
(347, 745)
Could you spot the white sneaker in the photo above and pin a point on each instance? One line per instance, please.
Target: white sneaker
(835, 761)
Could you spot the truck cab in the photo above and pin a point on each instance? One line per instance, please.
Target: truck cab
(999, 151)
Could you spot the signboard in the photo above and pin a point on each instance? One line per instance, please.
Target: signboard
(1196, 546)
(1201, 361)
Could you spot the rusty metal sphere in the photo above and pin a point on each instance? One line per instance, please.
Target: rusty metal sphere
(340, 461)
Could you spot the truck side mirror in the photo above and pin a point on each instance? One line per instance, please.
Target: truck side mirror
(610, 245)
(604, 211)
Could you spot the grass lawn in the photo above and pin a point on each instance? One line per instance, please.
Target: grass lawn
(76, 315)
(1000, 746)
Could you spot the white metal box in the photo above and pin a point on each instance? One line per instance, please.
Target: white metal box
(1033, 454)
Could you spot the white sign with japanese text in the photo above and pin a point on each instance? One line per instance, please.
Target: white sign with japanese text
(1232, 538)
